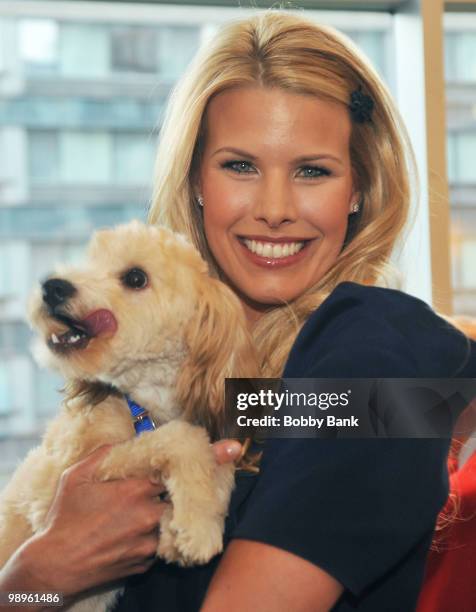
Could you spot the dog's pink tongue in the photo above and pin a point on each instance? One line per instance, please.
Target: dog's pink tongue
(99, 322)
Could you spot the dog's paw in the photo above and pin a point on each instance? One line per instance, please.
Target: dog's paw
(197, 544)
(189, 545)
(166, 548)
(225, 483)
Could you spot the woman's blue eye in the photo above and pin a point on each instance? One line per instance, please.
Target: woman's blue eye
(314, 171)
(244, 167)
(241, 167)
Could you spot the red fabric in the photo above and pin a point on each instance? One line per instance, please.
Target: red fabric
(450, 576)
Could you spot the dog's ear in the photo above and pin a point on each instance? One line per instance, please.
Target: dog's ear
(220, 347)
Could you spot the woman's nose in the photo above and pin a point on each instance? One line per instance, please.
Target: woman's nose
(275, 201)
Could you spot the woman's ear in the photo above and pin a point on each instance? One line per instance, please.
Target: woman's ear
(219, 346)
(354, 202)
(196, 191)
(195, 180)
(356, 194)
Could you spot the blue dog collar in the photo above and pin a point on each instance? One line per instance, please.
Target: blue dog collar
(142, 420)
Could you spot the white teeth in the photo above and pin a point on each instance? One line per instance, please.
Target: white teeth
(273, 250)
(267, 250)
(71, 340)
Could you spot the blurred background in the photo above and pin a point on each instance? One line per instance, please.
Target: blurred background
(83, 86)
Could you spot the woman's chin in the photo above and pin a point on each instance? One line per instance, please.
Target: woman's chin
(259, 297)
(263, 300)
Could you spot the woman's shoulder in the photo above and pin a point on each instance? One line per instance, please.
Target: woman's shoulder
(380, 304)
(369, 331)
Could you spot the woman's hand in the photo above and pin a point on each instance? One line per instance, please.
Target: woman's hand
(95, 532)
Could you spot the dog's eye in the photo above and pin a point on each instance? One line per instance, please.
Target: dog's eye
(135, 278)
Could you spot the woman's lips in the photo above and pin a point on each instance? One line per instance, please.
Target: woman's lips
(270, 262)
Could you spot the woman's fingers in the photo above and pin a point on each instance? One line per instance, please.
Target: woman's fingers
(226, 451)
(84, 470)
(87, 466)
(101, 530)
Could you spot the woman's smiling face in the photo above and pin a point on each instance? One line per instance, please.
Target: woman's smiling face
(277, 185)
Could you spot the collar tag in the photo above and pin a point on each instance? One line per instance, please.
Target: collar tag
(140, 416)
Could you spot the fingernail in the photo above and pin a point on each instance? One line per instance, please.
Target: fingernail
(233, 450)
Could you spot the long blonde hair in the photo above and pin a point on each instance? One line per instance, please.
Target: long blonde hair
(274, 48)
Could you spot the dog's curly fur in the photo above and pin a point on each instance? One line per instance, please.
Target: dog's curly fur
(174, 343)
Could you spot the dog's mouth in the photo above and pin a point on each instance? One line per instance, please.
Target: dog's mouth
(81, 331)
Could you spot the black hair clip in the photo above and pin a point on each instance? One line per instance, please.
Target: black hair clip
(361, 106)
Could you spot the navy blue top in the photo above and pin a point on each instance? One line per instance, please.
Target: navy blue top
(361, 509)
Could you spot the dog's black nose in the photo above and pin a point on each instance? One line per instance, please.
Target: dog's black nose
(56, 291)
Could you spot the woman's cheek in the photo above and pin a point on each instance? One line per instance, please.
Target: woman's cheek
(327, 209)
(228, 202)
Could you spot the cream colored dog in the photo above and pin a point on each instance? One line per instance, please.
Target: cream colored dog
(142, 317)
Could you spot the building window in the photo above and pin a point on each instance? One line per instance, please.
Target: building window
(91, 157)
(85, 157)
(58, 223)
(14, 263)
(177, 46)
(133, 158)
(460, 56)
(468, 269)
(47, 391)
(62, 157)
(39, 45)
(461, 154)
(95, 51)
(43, 153)
(372, 43)
(5, 389)
(8, 271)
(14, 337)
(134, 49)
(84, 50)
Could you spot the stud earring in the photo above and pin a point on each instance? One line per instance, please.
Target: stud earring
(355, 208)
(200, 200)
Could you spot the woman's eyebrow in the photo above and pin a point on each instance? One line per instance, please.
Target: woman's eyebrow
(307, 158)
(234, 150)
(303, 158)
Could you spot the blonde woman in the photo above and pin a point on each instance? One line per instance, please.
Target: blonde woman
(282, 157)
